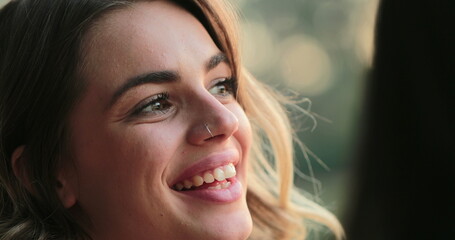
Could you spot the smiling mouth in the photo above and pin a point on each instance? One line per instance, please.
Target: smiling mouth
(217, 178)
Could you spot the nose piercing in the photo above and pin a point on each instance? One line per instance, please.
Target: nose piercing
(208, 129)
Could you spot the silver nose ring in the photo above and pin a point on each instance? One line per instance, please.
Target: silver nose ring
(208, 129)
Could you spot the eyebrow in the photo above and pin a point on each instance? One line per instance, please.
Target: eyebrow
(161, 77)
(153, 77)
(215, 60)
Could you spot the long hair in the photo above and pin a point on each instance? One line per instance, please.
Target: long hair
(40, 83)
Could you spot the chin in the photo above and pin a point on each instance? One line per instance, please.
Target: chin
(238, 226)
(219, 221)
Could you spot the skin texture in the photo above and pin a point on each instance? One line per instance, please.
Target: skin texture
(124, 163)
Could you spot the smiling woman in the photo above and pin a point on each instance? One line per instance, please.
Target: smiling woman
(136, 120)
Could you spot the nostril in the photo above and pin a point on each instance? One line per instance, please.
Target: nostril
(215, 137)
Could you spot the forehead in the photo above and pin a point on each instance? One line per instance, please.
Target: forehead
(144, 36)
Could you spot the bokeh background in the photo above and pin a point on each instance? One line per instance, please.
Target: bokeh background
(321, 50)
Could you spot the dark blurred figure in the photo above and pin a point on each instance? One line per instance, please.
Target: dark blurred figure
(404, 183)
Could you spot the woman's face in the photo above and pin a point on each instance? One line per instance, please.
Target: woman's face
(158, 88)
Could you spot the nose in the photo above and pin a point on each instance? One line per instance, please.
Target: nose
(211, 120)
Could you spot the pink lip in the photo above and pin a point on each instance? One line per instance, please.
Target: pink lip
(230, 194)
(208, 163)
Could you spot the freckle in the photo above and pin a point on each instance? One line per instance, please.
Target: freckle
(161, 214)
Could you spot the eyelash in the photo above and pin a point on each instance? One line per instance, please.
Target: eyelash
(229, 84)
(161, 98)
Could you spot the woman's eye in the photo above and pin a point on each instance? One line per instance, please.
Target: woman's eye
(155, 105)
(224, 87)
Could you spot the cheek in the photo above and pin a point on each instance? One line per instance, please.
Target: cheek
(121, 159)
(140, 149)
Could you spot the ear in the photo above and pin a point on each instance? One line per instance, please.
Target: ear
(18, 166)
(63, 186)
(66, 186)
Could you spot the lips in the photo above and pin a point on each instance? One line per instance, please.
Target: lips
(213, 178)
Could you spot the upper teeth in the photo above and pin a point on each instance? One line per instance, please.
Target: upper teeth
(219, 174)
